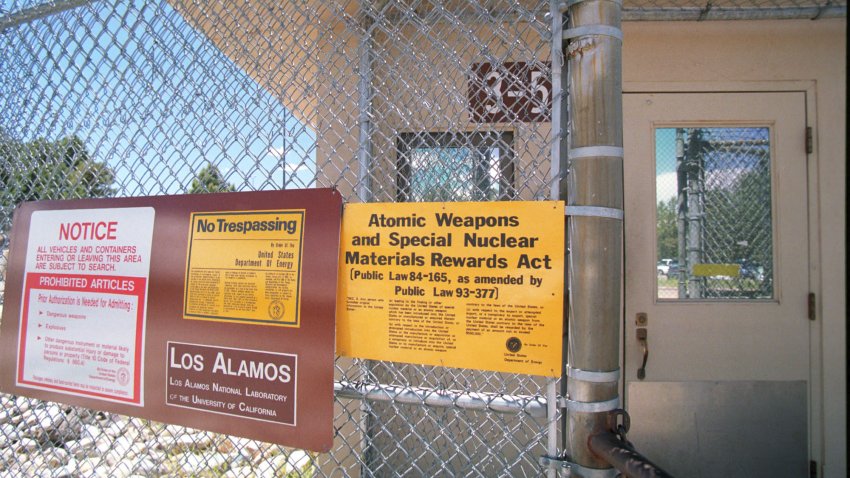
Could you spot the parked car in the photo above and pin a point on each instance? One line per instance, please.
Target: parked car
(751, 270)
(663, 267)
(673, 269)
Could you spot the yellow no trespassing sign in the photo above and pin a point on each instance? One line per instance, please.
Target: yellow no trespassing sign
(470, 285)
(245, 266)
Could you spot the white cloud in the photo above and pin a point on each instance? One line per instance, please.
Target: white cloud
(724, 178)
(665, 186)
(666, 183)
(278, 152)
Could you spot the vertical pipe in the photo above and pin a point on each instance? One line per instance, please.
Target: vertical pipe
(558, 147)
(694, 222)
(283, 152)
(552, 423)
(595, 179)
(364, 106)
(364, 194)
(558, 152)
(681, 213)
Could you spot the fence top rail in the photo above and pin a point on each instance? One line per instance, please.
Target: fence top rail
(641, 10)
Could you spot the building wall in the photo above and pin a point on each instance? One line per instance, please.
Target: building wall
(776, 55)
(410, 101)
(734, 56)
(657, 56)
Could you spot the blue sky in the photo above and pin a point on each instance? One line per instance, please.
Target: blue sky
(150, 96)
(724, 162)
(665, 163)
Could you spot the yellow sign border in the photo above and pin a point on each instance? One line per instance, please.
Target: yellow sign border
(371, 334)
(291, 324)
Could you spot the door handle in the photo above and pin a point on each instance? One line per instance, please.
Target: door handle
(644, 345)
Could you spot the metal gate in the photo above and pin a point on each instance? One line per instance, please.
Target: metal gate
(384, 100)
(151, 98)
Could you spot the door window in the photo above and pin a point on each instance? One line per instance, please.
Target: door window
(714, 227)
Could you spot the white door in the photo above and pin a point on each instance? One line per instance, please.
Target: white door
(715, 186)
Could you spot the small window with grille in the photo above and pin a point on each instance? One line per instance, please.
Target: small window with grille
(455, 166)
(714, 233)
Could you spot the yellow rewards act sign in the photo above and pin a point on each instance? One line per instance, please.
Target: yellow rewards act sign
(471, 285)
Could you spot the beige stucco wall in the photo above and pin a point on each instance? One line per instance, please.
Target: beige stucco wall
(779, 55)
(799, 55)
(308, 56)
(418, 89)
(750, 56)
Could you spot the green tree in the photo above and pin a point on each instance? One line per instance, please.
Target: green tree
(666, 229)
(210, 180)
(44, 169)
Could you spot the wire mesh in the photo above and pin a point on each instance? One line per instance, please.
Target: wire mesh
(385, 100)
(714, 212)
(373, 98)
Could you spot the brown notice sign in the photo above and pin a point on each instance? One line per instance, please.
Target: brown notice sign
(509, 92)
(212, 311)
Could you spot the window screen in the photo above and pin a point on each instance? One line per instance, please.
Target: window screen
(475, 166)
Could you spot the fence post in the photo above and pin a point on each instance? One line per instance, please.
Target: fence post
(595, 225)
(681, 213)
(696, 219)
(558, 154)
(364, 105)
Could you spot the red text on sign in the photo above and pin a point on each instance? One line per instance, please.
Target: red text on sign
(88, 230)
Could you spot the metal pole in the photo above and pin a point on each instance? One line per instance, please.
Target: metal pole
(364, 193)
(559, 105)
(38, 12)
(694, 219)
(552, 424)
(681, 213)
(734, 13)
(364, 106)
(595, 228)
(558, 188)
(439, 398)
(283, 153)
(624, 458)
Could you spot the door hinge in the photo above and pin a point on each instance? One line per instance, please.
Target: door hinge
(813, 469)
(812, 306)
(810, 142)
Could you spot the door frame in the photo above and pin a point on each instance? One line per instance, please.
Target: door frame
(816, 394)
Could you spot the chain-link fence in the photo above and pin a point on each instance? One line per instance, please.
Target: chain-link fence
(384, 100)
(150, 98)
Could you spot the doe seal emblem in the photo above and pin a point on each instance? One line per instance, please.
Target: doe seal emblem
(276, 310)
(513, 344)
